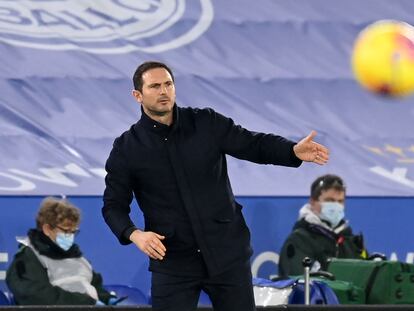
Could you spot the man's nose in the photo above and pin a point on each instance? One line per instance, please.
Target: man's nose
(163, 89)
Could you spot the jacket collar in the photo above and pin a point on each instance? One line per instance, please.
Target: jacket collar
(310, 217)
(45, 246)
(157, 127)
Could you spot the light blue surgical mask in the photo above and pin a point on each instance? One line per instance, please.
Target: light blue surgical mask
(332, 212)
(65, 240)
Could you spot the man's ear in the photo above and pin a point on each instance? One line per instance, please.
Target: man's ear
(47, 229)
(314, 206)
(137, 95)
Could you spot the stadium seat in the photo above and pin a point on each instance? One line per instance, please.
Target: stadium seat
(5, 299)
(133, 294)
(204, 300)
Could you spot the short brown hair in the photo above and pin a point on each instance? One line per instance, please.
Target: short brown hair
(55, 211)
(326, 182)
(144, 67)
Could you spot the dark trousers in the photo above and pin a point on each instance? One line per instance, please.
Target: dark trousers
(231, 290)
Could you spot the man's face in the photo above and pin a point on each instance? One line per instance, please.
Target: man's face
(330, 195)
(158, 92)
(66, 227)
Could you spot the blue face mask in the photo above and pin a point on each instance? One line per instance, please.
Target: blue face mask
(332, 212)
(65, 240)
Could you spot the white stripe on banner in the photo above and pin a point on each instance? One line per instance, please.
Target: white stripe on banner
(4, 257)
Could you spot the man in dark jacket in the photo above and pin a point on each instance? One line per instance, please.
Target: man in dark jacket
(173, 161)
(49, 268)
(322, 231)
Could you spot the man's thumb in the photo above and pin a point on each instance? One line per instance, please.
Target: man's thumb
(311, 136)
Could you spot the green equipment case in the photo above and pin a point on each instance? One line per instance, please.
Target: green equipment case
(383, 282)
(346, 292)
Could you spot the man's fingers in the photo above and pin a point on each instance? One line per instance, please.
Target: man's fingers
(157, 243)
(150, 244)
(321, 158)
(155, 248)
(153, 254)
(159, 247)
(161, 237)
(322, 154)
(320, 161)
(321, 148)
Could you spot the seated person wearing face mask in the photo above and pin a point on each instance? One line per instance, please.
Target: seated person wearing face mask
(321, 231)
(49, 268)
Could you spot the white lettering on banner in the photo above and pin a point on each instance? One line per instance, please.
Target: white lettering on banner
(105, 26)
(408, 259)
(98, 171)
(23, 184)
(398, 174)
(393, 256)
(261, 259)
(4, 257)
(55, 174)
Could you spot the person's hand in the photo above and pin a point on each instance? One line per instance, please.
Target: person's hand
(309, 151)
(149, 243)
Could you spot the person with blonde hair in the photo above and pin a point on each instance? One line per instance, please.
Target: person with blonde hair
(49, 268)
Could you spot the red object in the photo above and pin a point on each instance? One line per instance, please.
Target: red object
(340, 240)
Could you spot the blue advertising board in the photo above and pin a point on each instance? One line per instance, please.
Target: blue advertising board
(383, 221)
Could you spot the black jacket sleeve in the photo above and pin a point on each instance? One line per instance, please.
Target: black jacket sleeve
(252, 146)
(28, 281)
(118, 195)
(97, 282)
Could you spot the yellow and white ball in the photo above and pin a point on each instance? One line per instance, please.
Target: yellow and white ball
(383, 58)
